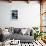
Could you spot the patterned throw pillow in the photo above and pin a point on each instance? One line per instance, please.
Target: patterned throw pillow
(11, 30)
(17, 30)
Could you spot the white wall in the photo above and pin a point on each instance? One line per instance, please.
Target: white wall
(28, 14)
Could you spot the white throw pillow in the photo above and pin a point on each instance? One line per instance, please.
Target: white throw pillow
(28, 31)
(5, 32)
(23, 31)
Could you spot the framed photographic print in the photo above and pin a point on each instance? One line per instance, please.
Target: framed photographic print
(14, 14)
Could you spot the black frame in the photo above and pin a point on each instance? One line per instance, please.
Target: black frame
(14, 14)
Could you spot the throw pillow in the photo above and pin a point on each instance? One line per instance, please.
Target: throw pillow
(17, 30)
(23, 31)
(28, 31)
(11, 30)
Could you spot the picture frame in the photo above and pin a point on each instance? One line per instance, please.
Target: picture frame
(14, 14)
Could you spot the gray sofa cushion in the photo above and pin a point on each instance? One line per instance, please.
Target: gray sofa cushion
(20, 37)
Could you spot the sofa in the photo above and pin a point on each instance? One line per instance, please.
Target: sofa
(22, 34)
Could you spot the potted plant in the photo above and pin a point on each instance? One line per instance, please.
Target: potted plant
(37, 33)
